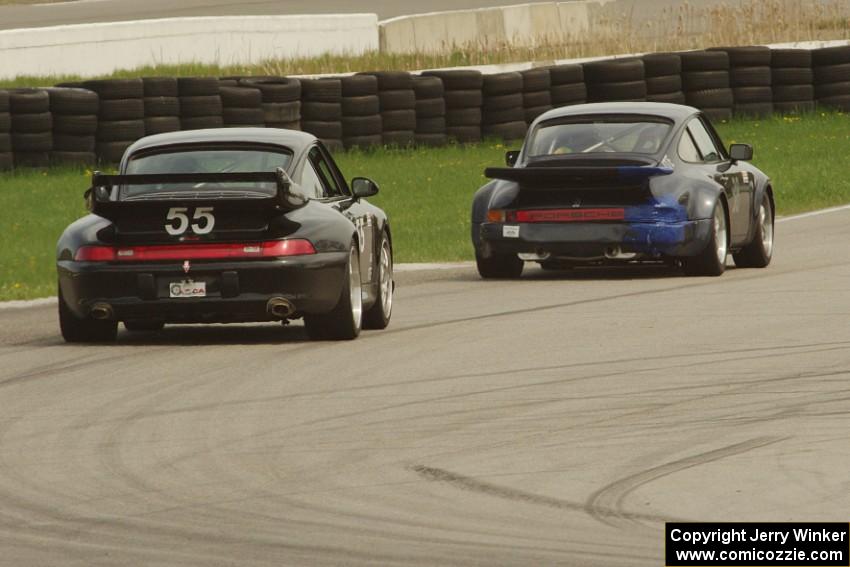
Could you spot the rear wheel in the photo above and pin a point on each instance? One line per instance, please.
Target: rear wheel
(346, 319)
(499, 266)
(378, 316)
(76, 330)
(711, 261)
(142, 326)
(759, 252)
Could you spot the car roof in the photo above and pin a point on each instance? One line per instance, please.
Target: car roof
(292, 139)
(675, 112)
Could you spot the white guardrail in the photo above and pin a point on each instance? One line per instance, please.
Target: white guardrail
(97, 49)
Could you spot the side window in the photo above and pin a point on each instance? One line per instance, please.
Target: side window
(323, 169)
(688, 150)
(704, 142)
(310, 182)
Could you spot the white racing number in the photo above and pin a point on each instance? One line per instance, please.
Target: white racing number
(178, 220)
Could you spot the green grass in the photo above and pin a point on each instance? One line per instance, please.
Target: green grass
(427, 193)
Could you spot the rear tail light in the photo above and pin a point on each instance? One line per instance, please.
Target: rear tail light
(270, 249)
(499, 215)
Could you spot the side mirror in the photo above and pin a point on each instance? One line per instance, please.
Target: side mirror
(362, 187)
(741, 152)
(511, 158)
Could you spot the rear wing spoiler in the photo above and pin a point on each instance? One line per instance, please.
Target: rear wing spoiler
(99, 196)
(578, 176)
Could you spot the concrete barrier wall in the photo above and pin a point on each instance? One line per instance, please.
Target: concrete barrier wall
(525, 25)
(94, 49)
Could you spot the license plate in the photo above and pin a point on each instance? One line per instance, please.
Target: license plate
(187, 289)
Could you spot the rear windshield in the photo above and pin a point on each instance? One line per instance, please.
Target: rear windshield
(599, 134)
(219, 160)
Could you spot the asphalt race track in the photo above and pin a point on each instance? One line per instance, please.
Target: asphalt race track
(560, 419)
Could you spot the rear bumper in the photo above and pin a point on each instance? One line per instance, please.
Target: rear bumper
(588, 240)
(236, 291)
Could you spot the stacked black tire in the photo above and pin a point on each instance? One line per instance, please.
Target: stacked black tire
(162, 105)
(200, 103)
(536, 93)
(705, 80)
(430, 111)
(832, 77)
(74, 125)
(568, 87)
(750, 77)
(793, 81)
(6, 156)
(464, 100)
(121, 116)
(664, 78)
(615, 80)
(31, 127)
(281, 100)
(361, 112)
(321, 110)
(398, 107)
(503, 111)
(242, 107)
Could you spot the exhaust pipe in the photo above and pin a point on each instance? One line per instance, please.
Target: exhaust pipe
(612, 252)
(280, 307)
(102, 311)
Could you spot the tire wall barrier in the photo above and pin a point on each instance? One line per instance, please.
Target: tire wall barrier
(95, 121)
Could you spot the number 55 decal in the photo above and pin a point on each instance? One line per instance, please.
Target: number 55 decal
(203, 217)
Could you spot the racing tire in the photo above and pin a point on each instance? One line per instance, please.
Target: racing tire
(662, 64)
(463, 99)
(275, 112)
(398, 138)
(66, 143)
(359, 85)
(197, 86)
(711, 262)
(793, 93)
(750, 77)
(160, 87)
(4, 101)
(378, 316)
(508, 131)
(32, 142)
(399, 120)
(144, 326)
(162, 125)
(241, 97)
(759, 252)
(275, 89)
(796, 58)
(614, 71)
(431, 125)
(531, 114)
(499, 266)
(197, 106)
(29, 101)
(120, 130)
(664, 84)
(752, 94)
(321, 90)
(392, 80)
(534, 80)
(563, 95)
(122, 109)
(201, 122)
(428, 88)
(73, 101)
(345, 320)
(76, 330)
(748, 56)
(365, 105)
(321, 111)
(353, 126)
(793, 76)
(705, 61)
(430, 108)
(161, 106)
(402, 99)
(502, 84)
(463, 116)
(536, 99)
(831, 56)
(458, 79)
(5, 143)
(705, 80)
(32, 159)
(32, 123)
(7, 161)
(569, 74)
(81, 125)
(72, 158)
(669, 98)
(111, 89)
(492, 117)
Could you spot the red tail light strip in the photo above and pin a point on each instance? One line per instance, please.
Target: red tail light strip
(270, 249)
(570, 215)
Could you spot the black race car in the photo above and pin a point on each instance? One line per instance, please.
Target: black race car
(623, 182)
(229, 225)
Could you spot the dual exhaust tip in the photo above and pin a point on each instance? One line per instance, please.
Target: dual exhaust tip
(278, 307)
